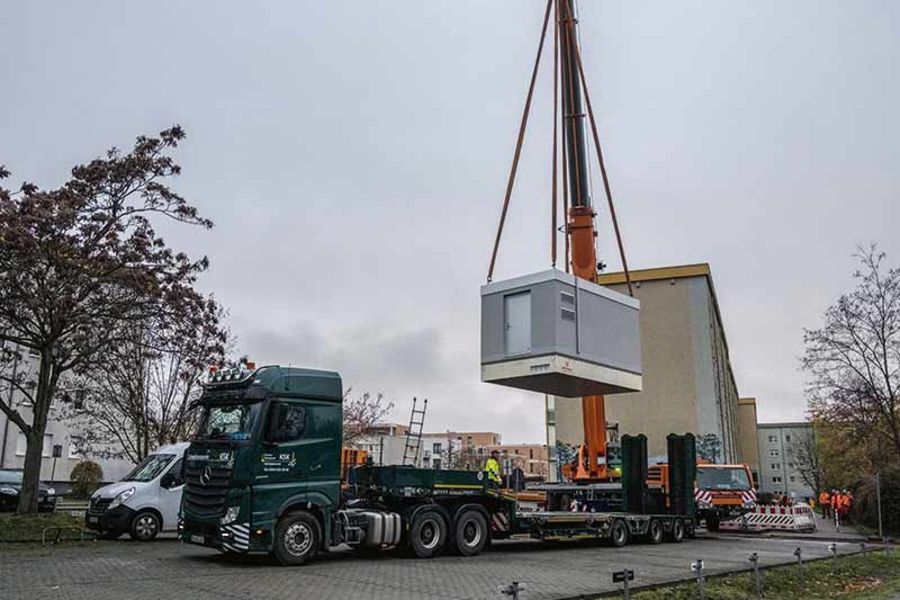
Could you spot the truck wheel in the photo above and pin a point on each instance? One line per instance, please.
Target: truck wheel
(297, 538)
(655, 531)
(677, 533)
(471, 533)
(618, 533)
(144, 526)
(428, 534)
(712, 523)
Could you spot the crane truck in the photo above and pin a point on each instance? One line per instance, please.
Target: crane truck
(263, 474)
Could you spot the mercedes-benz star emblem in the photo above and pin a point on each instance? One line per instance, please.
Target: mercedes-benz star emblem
(206, 475)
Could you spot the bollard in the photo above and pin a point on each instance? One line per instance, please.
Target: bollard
(862, 546)
(832, 547)
(623, 577)
(887, 545)
(513, 590)
(799, 554)
(757, 576)
(697, 567)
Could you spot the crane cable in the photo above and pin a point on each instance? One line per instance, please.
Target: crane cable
(522, 125)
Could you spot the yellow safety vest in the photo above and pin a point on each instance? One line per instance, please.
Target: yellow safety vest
(492, 468)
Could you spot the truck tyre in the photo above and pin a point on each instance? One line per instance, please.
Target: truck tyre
(144, 526)
(618, 533)
(428, 534)
(712, 523)
(677, 533)
(655, 531)
(471, 533)
(297, 538)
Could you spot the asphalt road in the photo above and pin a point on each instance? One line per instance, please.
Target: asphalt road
(168, 570)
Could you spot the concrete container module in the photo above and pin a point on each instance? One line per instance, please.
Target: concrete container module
(553, 333)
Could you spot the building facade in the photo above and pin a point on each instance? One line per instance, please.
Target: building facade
(747, 420)
(780, 469)
(533, 458)
(60, 437)
(688, 382)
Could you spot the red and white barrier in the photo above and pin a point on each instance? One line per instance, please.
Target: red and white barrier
(799, 517)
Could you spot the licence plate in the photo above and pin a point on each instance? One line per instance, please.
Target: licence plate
(197, 539)
(93, 519)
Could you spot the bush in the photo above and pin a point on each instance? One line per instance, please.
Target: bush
(86, 477)
(865, 504)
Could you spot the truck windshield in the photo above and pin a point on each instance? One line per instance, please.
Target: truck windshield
(715, 478)
(229, 421)
(150, 467)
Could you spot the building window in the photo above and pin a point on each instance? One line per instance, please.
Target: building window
(790, 465)
(776, 479)
(773, 439)
(774, 453)
(22, 445)
(436, 464)
(792, 479)
(75, 443)
(776, 465)
(787, 437)
(436, 448)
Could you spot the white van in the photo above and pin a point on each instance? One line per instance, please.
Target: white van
(145, 502)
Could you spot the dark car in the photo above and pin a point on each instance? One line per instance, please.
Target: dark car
(11, 485)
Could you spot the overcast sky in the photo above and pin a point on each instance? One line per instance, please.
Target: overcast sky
(354, 155)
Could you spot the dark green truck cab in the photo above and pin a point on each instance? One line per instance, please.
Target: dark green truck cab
(268, 444)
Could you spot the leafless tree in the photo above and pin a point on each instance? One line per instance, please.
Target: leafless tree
(140, 396)
(361, 413)
(79, 262)
(853, 360)
(809, 461)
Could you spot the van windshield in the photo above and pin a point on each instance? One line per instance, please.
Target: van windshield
(150, 467)
(718, 478)
(229, 421)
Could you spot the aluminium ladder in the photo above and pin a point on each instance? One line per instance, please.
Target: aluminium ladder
(414, 433)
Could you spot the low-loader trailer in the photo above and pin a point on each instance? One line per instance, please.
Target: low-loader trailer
(264, 475)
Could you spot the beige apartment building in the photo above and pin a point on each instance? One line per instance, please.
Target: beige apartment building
(688, 383)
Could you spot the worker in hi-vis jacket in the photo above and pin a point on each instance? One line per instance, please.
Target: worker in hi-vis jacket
(492, 468)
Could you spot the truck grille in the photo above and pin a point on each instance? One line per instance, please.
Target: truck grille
(205, 497)
(98, 506)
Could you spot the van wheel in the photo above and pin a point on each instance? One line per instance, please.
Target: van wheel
(655, 532)
(677, 533)
(144, 526)
(297, 538)
(471, 533)
(428, 534)
(618, 533)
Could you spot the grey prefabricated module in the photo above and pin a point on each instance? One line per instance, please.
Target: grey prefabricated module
(553, 333)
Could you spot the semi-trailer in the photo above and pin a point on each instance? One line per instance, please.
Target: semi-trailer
(263, 474)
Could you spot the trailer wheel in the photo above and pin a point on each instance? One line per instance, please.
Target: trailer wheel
(677, 533)
(471, 533)
(428, 534)
(618, 533)
(297, 538)
(655, 531)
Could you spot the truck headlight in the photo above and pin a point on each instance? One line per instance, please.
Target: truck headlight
(231, 515)
(51, 492)
(122, 497)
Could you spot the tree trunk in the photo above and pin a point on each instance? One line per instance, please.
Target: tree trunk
(31, 476)
(28, 496)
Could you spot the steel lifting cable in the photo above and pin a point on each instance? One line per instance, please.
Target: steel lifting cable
(522, 125)
(609, 200)
(553, 201)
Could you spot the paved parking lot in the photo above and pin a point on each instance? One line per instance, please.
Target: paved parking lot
(167, 569)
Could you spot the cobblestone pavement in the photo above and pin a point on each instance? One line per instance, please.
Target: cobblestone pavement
(167, 569)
